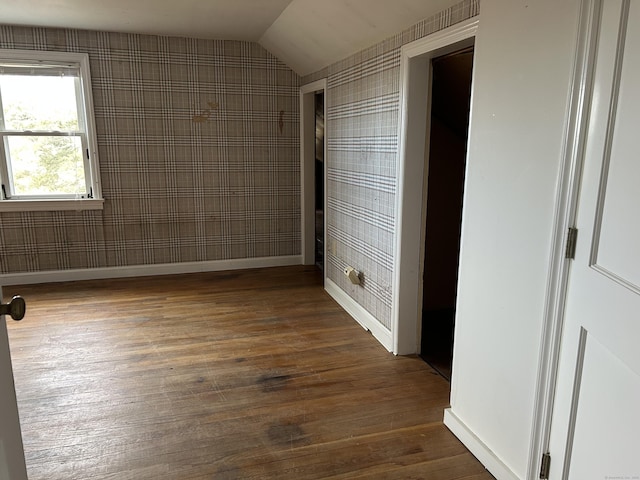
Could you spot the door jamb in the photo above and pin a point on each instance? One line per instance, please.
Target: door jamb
(566, 205)
(307, 170)
(415, 88)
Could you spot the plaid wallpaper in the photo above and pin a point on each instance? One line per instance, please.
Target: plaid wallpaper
(199, 156)
(362, 119)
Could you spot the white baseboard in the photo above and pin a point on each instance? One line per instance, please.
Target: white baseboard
(360, 315)
(146, 270)
(478, 448)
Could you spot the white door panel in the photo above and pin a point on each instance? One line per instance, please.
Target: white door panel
(595, 424)
(604, 406)
(12, 466)
(618, 235)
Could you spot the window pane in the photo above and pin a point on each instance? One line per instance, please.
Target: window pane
(43, 165)
(33, 102)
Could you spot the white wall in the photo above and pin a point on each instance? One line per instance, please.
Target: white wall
(524, 56)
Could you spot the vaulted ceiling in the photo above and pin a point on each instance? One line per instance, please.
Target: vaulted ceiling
(305, 34)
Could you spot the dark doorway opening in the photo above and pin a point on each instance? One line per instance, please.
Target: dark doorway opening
(450, 94)
(319, 180)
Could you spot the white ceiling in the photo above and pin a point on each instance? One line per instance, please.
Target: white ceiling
(306, 34)
(221, 19)
(312, 34)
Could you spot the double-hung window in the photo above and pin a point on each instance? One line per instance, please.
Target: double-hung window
(48, 155)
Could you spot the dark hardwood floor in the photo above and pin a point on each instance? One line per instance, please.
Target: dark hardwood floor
(253, 374)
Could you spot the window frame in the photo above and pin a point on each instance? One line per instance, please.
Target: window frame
(87, 134)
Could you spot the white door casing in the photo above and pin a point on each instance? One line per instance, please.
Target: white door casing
(415, 88)
(595, 418)
(12, 464)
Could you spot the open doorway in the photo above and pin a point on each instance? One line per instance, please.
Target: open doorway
(416, 99)
(313, 105)
(445, 169)
(319, 180)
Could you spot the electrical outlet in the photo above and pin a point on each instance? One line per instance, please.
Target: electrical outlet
(353, 275)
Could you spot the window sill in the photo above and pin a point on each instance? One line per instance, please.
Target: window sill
(50, 205)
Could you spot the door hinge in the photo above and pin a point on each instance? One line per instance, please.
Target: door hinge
(572, 237)
(545, 464)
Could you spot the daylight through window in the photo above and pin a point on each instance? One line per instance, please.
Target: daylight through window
(45, 125)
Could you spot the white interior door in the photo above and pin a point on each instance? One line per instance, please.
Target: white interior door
(596, 417)
(12, 465)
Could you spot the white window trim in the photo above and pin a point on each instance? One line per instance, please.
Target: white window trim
(52, 204)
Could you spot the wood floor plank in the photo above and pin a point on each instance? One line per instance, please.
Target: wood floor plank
(253, 374)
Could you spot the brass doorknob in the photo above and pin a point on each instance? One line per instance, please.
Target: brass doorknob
(16, 308)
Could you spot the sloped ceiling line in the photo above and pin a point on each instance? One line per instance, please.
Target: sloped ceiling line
(307, 35)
